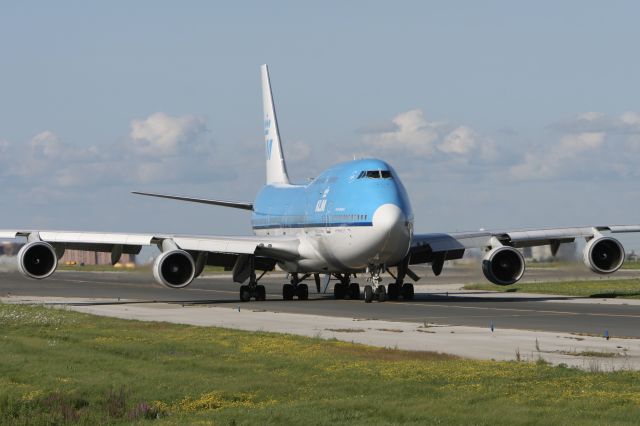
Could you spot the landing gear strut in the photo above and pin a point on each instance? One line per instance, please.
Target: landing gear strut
(253, 289)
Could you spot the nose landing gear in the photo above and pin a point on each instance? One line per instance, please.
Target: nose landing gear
(395, 290)
(374, 290)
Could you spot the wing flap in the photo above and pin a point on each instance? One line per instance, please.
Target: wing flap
(97, 238)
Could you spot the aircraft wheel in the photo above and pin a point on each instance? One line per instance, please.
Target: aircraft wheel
(245, 293)
(261, 293)
(382, 293)
(368, 294)
(288, 291)
(302, 292)
(407, 291)
(354, 291)
(339, 291)
(393, 291)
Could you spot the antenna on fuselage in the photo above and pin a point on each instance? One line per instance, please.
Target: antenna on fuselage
(276, 166)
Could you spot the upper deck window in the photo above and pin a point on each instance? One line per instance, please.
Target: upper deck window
(375, 174)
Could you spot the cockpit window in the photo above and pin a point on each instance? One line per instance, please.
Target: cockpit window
(375, 174)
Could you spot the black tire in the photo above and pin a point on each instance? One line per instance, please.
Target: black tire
(368, 294)
(393, 291)
(245, 293)
(288, 291)
(302, 292)
(339, 291)
(261, 293)
(407, 291)
(381, 291)
(354, 291)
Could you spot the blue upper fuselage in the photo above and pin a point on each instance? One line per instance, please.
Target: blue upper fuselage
(347, 194)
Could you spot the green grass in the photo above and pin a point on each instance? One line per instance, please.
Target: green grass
(59, 367)
(624, 288)
(631, 265)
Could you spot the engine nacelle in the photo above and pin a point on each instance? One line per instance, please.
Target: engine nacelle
(503, 265)
(603, 255)
(37, 260)
(174, 269)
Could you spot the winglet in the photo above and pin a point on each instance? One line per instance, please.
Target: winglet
(276, 166)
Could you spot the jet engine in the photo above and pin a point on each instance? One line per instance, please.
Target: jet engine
(174, 269)
(503, 265)
(603, 255)
(37, 260)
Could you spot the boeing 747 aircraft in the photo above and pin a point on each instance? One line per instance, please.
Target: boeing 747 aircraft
(355, 218)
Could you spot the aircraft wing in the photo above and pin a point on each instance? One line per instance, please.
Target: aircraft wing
(220, 250)
(233, 204)
(427, 248)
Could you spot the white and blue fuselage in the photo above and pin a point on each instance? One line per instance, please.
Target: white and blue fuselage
(354, 215)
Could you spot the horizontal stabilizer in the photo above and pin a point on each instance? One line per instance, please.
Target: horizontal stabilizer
(232, 204)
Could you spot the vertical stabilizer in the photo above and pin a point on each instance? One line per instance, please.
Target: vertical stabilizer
(276, 167)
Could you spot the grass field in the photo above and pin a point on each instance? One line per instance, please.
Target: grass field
(625, 288)
(60, 367)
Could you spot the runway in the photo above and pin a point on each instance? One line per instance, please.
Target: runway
(432, 305)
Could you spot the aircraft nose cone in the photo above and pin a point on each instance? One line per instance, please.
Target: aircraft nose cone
(388, 217)
(393, 235)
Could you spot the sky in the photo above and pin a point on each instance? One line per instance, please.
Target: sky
(495, 114)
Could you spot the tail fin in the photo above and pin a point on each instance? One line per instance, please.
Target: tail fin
(276, 167)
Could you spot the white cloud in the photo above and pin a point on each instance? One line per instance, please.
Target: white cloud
(161, 134)
(460, 141)
(45, 145)
(559, 158)
(4, 145)
(411, 138)
(631, 118)
(411, 132)
(626, 123)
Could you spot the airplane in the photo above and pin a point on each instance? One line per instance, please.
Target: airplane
(354, 218)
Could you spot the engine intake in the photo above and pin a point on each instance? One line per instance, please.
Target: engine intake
(603, 255)
(37, 260)
(503, 265)
(174, 269)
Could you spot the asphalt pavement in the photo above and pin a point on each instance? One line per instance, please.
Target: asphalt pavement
(431, 305)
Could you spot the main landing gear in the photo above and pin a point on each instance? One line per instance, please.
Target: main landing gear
(296, 288)
(345, 289)
(253, 290)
